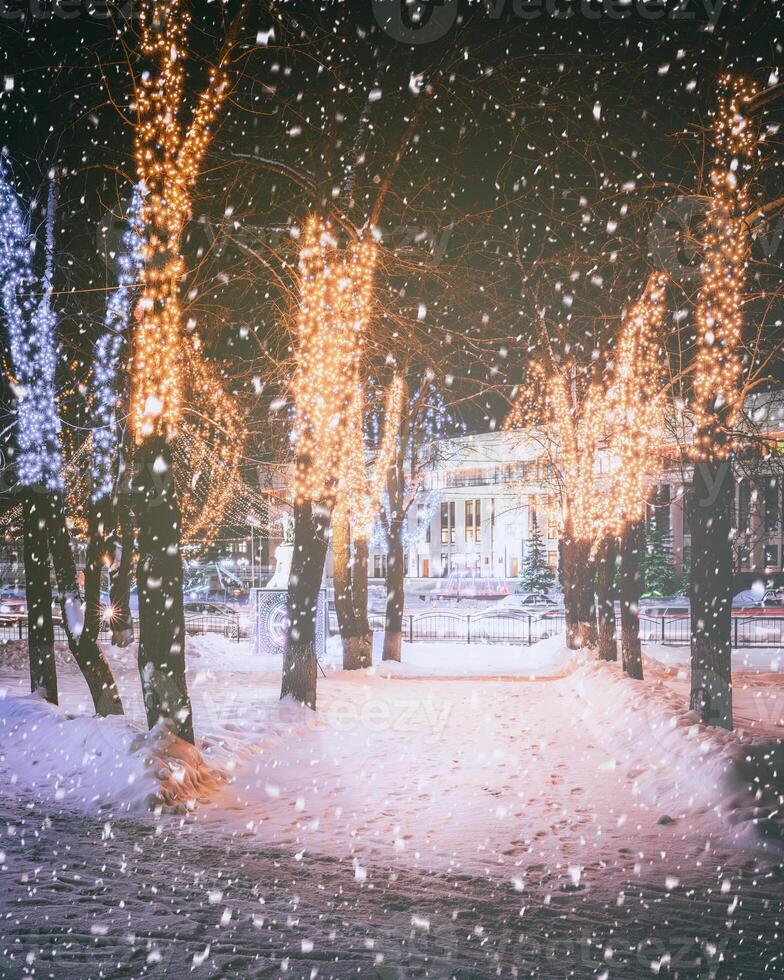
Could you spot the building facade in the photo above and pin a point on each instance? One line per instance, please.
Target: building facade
(474, 511)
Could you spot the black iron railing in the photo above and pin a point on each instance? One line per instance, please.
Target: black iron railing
(751, 631)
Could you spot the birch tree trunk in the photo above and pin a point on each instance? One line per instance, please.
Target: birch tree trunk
(608, 644)
(711, 592)
(40, 629)
(631, 586)
(300, 666)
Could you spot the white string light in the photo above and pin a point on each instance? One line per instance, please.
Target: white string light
(107, 353)
(32, 341)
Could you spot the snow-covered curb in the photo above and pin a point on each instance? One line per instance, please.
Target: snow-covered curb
(95, 764)
(687, 768)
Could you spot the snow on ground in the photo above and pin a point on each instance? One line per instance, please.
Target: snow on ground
(757, 684)
(449, 659)
(539, 814)
(694, 770)
(472, 741)
(97, 764)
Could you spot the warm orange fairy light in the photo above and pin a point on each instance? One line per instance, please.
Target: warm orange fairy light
(579, 431)
(526, 411)
(336, 291)
(636, 403)
(207, 450)
(576, 427)
(359, 492)
(718, 369)
(168, 157)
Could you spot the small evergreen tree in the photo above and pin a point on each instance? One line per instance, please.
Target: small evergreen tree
(659, 574)
(535, 575)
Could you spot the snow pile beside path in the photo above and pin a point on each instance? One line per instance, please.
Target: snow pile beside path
(697, 770)
(14, 656)
(450, 659)
(763, 659)
(99, 764)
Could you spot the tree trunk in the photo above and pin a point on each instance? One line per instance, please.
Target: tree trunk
(159, 585)
(585, 568)
(120, 576)
(83, 646)
(570, 590)
(608, 645)
(579, 598)
(363, 653)
(342, 581)
(40, 629)
(393, 624)
(300, 666)
(631, 586)
(98, 520)
(350, 578)
(711, 593)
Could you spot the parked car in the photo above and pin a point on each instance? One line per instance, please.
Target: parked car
(527, 600)
(11, 611)
(773, 598)
(665, 612)
(211, 617)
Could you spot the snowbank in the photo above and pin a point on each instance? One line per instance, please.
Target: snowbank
(689, 769)
(98, 764)
(449, 659)
(765, 659)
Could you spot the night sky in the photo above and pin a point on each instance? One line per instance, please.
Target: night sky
(550, 154)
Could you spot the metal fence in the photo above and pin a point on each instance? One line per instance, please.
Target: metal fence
(17, 630)
(747, 631)
(466, 628)
(751, 631)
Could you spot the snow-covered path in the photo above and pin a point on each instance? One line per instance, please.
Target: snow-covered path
(81, 901)
(487, 826)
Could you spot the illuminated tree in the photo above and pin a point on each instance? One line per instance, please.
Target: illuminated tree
(717, 398)
(32, 327)
(358, 503)
(335, 295)
(168, 155)
(637, 403)
(577, 422)
(104, 545)
(423, 424)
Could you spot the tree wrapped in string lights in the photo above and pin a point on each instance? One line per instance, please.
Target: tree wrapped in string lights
(637, 402)
(717, 397)
(357, 506)
(565, 410)
(424, 421)
(103, 543)
(168, 156)
(334, 309)
(31, 324)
